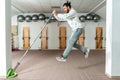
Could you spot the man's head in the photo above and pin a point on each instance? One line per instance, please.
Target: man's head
(67, 7)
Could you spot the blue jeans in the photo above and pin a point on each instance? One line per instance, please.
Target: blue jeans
(73, 42)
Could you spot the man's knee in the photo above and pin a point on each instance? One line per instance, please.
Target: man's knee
(72, 42)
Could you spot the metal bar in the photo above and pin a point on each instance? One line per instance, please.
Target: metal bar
(97, 6)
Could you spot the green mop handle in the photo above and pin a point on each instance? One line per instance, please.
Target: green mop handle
(18, 63)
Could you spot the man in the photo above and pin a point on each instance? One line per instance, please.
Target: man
(72, 18)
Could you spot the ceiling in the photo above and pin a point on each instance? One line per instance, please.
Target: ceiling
(44, 6)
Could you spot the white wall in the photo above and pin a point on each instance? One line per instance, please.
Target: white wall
(113, 41)
(53, 32)
(5, 42)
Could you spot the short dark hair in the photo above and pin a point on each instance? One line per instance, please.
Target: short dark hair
(68, 4)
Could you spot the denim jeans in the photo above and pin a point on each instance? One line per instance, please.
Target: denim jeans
(73, 42)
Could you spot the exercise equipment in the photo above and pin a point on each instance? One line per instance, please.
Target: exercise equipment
(35, 17)
(41, 17)
(20, 18)
(89, 17)
(11, 71)
(28, 18)
(82, 18)
(96, 18)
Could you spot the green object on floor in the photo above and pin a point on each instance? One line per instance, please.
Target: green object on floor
(65, 57)
(11, 73)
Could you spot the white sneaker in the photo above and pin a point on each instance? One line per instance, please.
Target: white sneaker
(60, 59)
(87, 53)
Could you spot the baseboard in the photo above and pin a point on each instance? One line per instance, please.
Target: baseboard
(108, 75)
(2, 77)
(60, 49)
(113, 77)
(97, 49)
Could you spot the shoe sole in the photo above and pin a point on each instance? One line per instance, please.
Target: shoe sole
(87, 54)
(57, 58)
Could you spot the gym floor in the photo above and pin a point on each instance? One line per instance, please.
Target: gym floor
(42, 65)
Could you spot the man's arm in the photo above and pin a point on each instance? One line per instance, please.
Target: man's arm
(70, 15)
(59, 17)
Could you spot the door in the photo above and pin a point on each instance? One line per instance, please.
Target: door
(82, 38)
(62, 37)
(26, 38)
(14, 33)
(44, 38)
(99, 37)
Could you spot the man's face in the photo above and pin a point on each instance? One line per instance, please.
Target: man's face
(66, 9)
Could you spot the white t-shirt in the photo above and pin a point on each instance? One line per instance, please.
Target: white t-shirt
(72, 19)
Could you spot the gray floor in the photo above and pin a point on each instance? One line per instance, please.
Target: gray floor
(42, 65)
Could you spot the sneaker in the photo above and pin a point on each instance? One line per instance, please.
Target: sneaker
(87, 53)
(60, 59)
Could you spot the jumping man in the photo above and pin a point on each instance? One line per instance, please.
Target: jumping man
(71, 16)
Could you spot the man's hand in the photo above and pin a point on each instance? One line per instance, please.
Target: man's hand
(55, 12)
